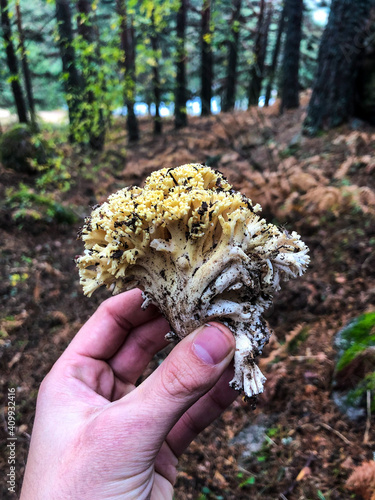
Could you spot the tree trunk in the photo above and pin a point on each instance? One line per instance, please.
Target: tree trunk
(12, 63)
(230, 90)
(181, 94)
(256, 71)
(25, 67)
(158, 127)
(86, 28)
(128, 47)
(364, 105)
(290, 83)
(73, 82)
(332, 100)
(275, 56)
(206, 59)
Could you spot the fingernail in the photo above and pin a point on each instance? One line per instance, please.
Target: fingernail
(211, 345)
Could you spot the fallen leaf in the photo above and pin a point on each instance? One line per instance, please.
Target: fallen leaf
(306, 471)
(15, 359)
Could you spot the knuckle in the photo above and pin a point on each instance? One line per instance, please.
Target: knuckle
(179, 380)
(106, 306)
(108, 309)
(46, 387)
(192, 425)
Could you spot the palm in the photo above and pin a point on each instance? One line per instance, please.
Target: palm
(93, 423)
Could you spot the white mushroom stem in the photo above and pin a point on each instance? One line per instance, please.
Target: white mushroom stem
(247, 374)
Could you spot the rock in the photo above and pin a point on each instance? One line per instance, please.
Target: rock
(21, 150)
(253, 436)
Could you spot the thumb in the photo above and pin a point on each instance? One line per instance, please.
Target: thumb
(191, 369)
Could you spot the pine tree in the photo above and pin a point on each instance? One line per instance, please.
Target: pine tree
(12, 63)
(275, 55)
(180, 93)
(128, 47)
(25, 66)
(93, 113)
(256, 71)
(333, 98)
(290, 82)
(206, 58)
(72, 79)
(230, 89)
(158, 126)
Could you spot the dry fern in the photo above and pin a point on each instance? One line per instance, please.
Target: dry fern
(362, 480)
(304, 188)
(323, 199)
(281, 350)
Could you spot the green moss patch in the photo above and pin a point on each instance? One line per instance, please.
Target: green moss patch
(355, 368)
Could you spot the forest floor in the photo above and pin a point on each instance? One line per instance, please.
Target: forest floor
(321, 187)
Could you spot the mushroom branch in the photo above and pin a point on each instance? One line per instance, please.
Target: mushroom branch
(199, 251)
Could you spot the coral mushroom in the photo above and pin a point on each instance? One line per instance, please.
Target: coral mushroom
(199, 251)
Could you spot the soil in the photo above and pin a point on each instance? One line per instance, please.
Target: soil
(310, 448)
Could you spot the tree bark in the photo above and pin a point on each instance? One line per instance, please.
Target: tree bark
(290, 82)
(364, 105)
(333, 97)
(89, 33)
(206, 59)
(275, 56)
(256, 71)
(73, 82)
(26, 67)
(230, 89)
(12, 63)
(128, 47)
(180, 93)
(158, 127)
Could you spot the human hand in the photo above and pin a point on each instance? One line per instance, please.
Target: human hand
(98, 436)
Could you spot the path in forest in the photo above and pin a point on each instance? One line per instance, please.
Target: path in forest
(57, 116)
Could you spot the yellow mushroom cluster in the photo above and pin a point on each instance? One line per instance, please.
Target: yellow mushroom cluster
(199, 251)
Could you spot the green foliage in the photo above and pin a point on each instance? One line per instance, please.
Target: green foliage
(155, 19)
(207, 494)
(355, 338)
(248, 481)
(42, 55)
(55, 174)
(298, 340)
(27, 205)
(357, 395)
(289, 151)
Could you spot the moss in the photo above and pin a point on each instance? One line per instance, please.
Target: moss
(21, 150)
(357, 395)
(357, 336)
(355, 368)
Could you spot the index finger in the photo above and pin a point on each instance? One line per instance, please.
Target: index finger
(105, 332)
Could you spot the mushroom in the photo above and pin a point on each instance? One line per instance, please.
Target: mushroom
(199, 252)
